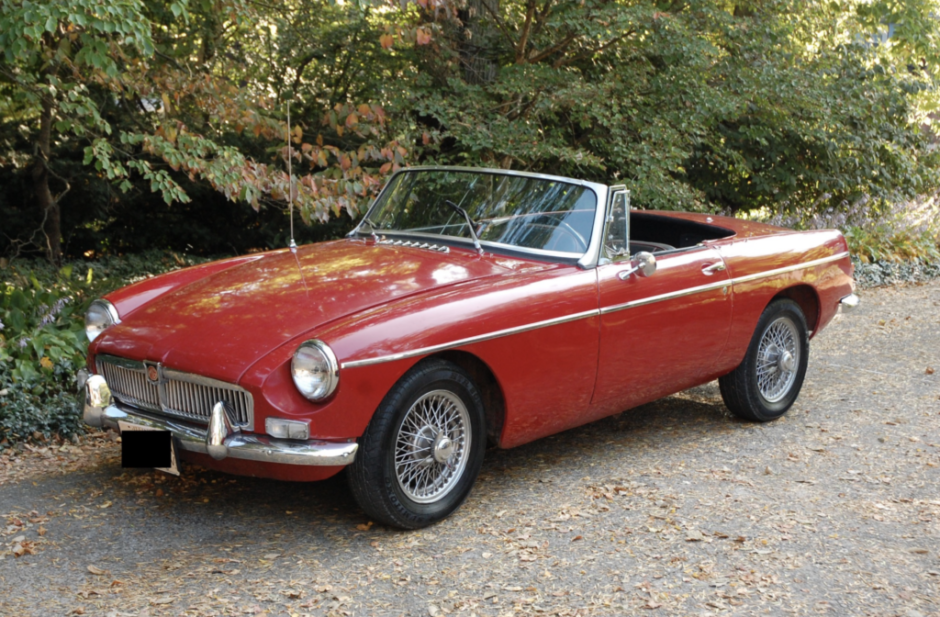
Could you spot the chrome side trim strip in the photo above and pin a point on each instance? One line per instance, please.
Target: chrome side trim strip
(473, 339)
(667, 296)
(603, 311)
(808, 264)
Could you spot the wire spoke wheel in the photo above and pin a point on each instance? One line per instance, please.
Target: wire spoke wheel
(432, 446)
(768, 380)
(778, 357)
(423, 449)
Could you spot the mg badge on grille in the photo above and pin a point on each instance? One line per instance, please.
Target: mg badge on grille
(153, 375)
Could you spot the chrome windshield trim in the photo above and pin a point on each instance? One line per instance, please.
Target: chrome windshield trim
(501, 172)
(667, 296)
(593, 253)
(586, 260)
(469, 341)
(784, 270)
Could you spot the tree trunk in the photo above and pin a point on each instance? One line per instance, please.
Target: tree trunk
(48, 206)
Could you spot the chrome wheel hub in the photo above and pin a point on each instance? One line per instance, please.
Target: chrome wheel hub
(778, 358)
(432, 446)
(443, 448)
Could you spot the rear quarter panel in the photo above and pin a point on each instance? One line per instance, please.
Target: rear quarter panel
(813, 263)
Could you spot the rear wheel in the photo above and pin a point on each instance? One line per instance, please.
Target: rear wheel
(767, 382)
(423, 449)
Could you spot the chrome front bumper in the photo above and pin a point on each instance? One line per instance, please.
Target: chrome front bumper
(219, 440)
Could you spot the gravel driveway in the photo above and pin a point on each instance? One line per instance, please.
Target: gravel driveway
(671, 508)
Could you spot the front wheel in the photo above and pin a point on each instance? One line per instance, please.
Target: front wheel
(767, 382)
(423, 449)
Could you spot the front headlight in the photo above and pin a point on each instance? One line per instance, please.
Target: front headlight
(101, 315)
(315, 370)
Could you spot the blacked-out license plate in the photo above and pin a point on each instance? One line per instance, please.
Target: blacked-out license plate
(142, 447)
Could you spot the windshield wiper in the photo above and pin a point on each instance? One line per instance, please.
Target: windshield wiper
(470, 224)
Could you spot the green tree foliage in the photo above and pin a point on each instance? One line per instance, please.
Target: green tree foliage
(694, 104)
(790, 105)
(160, 92)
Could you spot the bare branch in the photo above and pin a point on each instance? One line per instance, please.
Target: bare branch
(499, 23)
(594, 50)
(524, 38)
(560, 46)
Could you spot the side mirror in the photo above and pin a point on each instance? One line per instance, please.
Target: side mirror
(643, 264)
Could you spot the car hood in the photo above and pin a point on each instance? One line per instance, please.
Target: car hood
(220, 324)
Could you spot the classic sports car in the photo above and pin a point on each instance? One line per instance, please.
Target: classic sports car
(469, 306)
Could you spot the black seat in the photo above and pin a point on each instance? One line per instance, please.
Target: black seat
(646, 245)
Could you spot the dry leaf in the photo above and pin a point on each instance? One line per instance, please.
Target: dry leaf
(96, 570)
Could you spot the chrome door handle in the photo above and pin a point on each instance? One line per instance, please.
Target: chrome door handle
(715, 267)
(625, 274)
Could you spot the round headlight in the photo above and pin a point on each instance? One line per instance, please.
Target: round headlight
(315, 370)
(100, 316)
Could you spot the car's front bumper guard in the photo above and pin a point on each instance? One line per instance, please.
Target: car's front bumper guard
(219, 440)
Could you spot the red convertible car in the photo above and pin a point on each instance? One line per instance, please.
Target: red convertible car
(469, 306)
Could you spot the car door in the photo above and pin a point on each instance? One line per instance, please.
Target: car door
(662, 333)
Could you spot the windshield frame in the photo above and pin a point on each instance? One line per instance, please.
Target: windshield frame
(586, 260)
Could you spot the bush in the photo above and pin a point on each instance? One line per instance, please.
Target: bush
(904, 232)
(880, 273)
(42, 335)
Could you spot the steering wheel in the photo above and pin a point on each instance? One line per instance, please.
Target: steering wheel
(580, 243)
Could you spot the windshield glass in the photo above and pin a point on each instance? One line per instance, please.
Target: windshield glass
(531, 213)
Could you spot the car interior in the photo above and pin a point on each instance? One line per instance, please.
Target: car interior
(656, 233)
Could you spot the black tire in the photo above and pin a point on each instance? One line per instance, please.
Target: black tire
(766, 383)
(384, 489)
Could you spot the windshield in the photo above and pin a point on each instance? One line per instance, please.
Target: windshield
(530, 213)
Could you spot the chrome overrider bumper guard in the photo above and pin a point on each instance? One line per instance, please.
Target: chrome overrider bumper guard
(219, 440)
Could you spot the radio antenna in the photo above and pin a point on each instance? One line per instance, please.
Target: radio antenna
(290, 183)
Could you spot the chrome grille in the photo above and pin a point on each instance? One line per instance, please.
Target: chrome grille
(195, 400)
(184, 395)
(129, 383)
